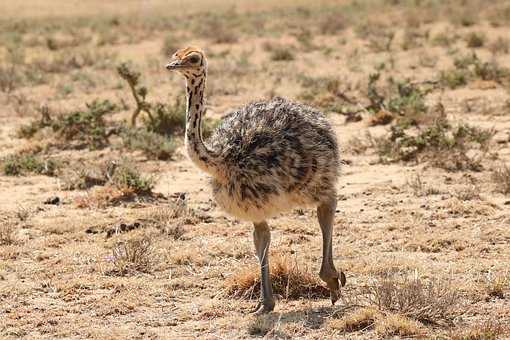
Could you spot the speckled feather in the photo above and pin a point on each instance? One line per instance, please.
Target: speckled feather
(264, 158)
(277, 155)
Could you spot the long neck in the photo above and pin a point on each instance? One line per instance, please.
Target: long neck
(198, 152)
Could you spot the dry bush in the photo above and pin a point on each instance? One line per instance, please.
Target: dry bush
(431, 302)
(496, 286)
(475, 40)
(381, 117)
(501, 177)
(397, 325)
(359, 320)
(488, 330)
(7, 230)
(420, 188)
(278, 52)
(500, 46)
(288, 279)
(186, 256)
(133, 255)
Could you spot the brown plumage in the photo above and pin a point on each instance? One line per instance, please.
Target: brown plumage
(265, 158)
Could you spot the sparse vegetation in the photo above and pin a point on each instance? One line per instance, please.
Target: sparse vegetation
(501, 177)
(135, 248)
(26, 163)
(441, 144)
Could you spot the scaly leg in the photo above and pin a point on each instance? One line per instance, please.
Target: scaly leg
(262, 238)
(328, 272)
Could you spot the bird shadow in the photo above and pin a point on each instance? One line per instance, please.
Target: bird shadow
(310, 317)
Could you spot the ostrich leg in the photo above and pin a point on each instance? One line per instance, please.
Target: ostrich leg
(328, 272)
(262, 238)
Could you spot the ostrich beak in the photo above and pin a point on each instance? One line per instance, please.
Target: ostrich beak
(174, 64)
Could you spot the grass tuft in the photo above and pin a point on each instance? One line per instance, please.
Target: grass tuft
(289, 280)
(501, 177)
(360, 320)
(133, 255)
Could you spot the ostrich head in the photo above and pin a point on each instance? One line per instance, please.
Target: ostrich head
(189, 61)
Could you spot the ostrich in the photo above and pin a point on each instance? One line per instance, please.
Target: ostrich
(265, 158)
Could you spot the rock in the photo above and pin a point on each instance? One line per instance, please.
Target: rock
(54, 200)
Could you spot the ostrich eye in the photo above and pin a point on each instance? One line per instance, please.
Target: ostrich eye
(194, 59)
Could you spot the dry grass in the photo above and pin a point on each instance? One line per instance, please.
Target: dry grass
(501, 177)
(290, 280)
(7, 230)
(360, 320)
(430, 302)
(133, 255)
(488, 330)
(397, 325)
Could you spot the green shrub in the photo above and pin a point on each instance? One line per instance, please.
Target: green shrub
(153, 145)
(440, 143)
(127, 178)
(85, 126)
(23, 163)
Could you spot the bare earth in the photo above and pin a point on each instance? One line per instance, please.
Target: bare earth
(59, 277)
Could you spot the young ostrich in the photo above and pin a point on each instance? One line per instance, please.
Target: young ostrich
(265, 158)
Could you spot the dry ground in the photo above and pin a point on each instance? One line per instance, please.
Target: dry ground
(425, 249)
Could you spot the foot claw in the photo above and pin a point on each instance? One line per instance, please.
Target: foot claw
(334, 296)
(262, 308)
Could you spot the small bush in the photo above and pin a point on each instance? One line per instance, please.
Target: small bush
(397, 325)
(279, 52)
(426, 302)
(501, 176)
(23, 163)
(471, 67)
(500, 46)
(475, 40)
(404, 103)
(86, 127)
(133, 255)
(167, 119)
(126, 178)
(440, 143)
(359, 320)
(323, 92)
(288, 279)
(453, 78)
(6, 233)
(153, 145)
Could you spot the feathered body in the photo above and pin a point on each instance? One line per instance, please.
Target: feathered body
(277, 155)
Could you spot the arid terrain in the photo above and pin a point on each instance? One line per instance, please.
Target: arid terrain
(108, 231)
